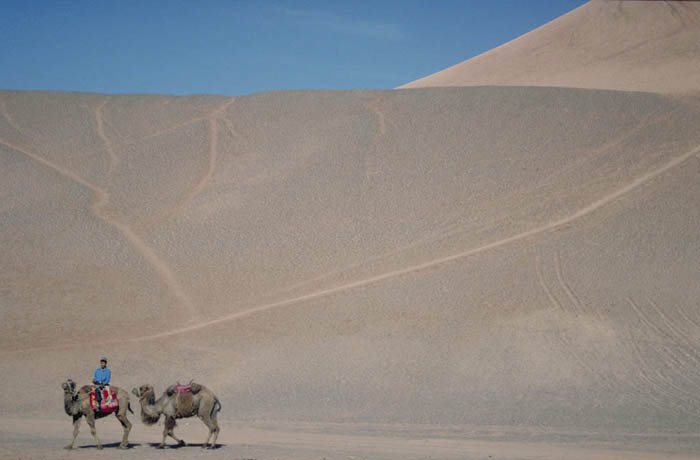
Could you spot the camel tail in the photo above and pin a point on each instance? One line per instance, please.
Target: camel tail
(128, 406)
(214, 408)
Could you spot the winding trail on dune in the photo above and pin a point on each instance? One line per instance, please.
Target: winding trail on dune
(8, 117)
(415, 268)
(101, 198)
(213, 122)
(395, 273)
(99, 118)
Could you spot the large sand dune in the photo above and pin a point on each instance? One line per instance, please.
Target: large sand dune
(624, 45)
(523, 257)
(460, 272)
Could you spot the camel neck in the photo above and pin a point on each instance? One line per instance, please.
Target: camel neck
(68, 402)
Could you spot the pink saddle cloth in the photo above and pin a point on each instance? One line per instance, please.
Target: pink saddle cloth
(181, 389)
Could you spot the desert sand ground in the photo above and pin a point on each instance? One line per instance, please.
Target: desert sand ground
(463, 272)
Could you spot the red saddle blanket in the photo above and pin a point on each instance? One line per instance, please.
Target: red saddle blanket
(109, 401)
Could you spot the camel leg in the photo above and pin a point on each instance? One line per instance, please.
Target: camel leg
(76, 428)
(213, 431)
(216, 435)
(171, 433)
(165, 434)
(127, 428)
(168, 427)
(216, 423)
(206, 442)
(91, 421)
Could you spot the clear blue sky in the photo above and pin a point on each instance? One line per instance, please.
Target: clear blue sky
(242, 47)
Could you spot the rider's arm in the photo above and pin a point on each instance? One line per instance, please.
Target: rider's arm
(108, 375)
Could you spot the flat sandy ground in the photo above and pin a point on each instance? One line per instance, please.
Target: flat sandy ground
(34, 439)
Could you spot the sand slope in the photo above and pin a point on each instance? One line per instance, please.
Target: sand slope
(624, 45)
(474, 271)
(473, 257)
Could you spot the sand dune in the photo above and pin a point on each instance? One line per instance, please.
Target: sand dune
(516, 257)
(457, 272)
(623, 45)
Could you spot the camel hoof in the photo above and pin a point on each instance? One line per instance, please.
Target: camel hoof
(160, 446)
(99, 447)
(68, 447)
(123, 446)
(181, 443)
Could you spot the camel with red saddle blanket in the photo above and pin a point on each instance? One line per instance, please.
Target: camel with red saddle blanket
(180, 401)
(83, 404)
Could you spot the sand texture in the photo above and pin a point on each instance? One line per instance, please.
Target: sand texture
(462, 272)
(489, 257)
(625, 45)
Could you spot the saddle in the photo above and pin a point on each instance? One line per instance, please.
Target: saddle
(184, 400)
(182, 388)
(108, 403)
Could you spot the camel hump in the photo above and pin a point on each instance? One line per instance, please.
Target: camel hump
(180, 389)
(170, 390)
(184, 405)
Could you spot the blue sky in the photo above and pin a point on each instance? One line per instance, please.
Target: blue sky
(242, 47)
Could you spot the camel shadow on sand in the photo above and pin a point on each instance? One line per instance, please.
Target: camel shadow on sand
(115, 445)
(111, 445)
(186, 446)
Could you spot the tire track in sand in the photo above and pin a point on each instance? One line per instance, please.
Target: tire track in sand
(662, 383)
(599, 203)
(567, 345)
(101, 198)
(569, 292)
(689, 347)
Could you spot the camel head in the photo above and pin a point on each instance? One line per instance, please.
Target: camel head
(150, 412)
(144, 391)
(68, 386)
(69, 398)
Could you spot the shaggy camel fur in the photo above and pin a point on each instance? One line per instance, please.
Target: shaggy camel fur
(200, 402)
(77, 405)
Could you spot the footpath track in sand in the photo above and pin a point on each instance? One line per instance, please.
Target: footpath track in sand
(170, 280)
(101, 198)
(212, 152)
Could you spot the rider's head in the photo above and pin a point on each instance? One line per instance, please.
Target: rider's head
(103, 362)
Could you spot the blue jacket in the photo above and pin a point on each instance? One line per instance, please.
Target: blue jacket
(103, 375)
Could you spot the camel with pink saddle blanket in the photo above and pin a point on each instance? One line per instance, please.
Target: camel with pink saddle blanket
(180, 401)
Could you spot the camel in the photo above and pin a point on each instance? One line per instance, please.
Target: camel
(77, 405)
(200, 402)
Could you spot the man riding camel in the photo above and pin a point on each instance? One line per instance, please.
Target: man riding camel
(101, 380)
